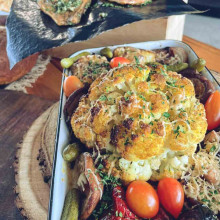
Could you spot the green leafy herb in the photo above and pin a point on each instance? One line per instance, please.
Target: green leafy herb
(142, 97)
(205, 200)
(166, 114)
(137, 60)
(126, 99)
(130, 93)
(178, 130)
(213, 148)
(127, 142)
(171, 84)
(103, 98)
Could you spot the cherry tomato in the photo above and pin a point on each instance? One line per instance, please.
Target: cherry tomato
(117, 61)
(212, 107)
(71, 84)
(142, 199)
(171, 195)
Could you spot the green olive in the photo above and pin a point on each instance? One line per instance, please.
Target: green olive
(106, 52)
(177, 67)
(71, 205)
(71, 152)
(68, 62)
(198, 64)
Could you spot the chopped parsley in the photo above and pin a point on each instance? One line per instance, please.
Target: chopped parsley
(130, 93)
(103, 98)
(181, 110)
(64, 6)
(142, 97)
(127, 142)
(205, 200)
(126, 99)
(171, 84)
(213, 148)
(136, 60)
(152, 115)
(109, 183)
(178, 130)
(166, 114)
(120, 214)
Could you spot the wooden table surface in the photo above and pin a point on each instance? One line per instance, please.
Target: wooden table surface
(18, 111)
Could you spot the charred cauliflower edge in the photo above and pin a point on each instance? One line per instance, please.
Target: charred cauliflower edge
(144, 121)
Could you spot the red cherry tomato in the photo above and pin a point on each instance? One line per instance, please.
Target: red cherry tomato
(117, 61)
(171, 195)
(212, 107)
(71, 84)
(142, 199)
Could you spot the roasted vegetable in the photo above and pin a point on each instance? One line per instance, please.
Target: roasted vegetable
(87, 180)
(71, 84)
(88, 68)
(71, 205)
(71, 152)
(203, 87)
(106, 52)
(180, 53)
(72, 103)
(120, 209)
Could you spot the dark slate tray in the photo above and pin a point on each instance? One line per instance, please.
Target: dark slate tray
(29, 30)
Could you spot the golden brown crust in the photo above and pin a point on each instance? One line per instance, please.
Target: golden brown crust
(128, 114)
(135, 55)
(64, 18)
(89, 183)
(88, 68)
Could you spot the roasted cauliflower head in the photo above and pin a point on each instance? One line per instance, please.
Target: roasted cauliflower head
(138, 117)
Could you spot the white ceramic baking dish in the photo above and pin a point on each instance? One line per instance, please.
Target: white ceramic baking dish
(59, 183)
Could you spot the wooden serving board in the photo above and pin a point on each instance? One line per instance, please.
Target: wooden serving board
(17, 112)
(31, 189)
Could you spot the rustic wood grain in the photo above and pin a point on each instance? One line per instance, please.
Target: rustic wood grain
(17, 113)
(209, 53)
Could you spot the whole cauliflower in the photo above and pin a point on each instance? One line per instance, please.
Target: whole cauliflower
(137, 113)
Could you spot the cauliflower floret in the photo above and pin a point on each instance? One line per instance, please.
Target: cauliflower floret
(127, 113)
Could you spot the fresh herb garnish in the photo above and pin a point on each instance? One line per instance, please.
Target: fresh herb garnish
(103, 98)
(166, 114)
(127, 142)
(178, 130)
(213, 148)
(136, 60)
(142, 97)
